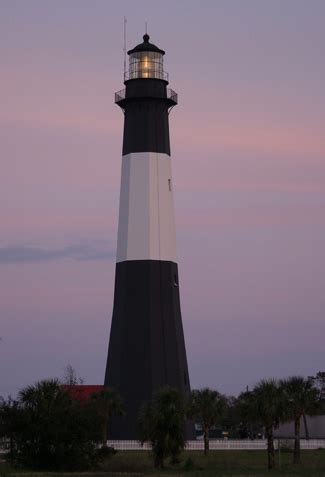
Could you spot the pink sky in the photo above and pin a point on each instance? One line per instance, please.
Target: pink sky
(248, 146)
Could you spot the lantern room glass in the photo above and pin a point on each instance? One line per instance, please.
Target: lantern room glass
(146, 64)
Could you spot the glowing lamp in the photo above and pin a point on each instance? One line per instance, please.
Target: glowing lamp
(146, 61)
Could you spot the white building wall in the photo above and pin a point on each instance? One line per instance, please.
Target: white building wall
(146, 228)
(315, 424)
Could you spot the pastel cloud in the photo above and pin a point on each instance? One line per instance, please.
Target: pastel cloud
(13, 254)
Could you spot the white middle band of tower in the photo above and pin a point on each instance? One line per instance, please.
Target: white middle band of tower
(146, 229)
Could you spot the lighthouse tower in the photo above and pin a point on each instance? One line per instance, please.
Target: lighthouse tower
(146, 347)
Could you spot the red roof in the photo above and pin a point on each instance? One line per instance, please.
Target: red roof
(82, 391)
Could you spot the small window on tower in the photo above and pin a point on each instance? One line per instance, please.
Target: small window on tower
(175, 280)
(169, 184)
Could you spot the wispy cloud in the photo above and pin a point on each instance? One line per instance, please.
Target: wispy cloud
(96, 250)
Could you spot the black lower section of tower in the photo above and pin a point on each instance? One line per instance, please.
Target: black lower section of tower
(146, 348)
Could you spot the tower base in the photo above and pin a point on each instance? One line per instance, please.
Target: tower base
(146, 347)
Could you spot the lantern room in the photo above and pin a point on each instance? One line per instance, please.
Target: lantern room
(146, 61)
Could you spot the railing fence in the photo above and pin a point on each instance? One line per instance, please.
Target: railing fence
(224, 444)
(121, 95)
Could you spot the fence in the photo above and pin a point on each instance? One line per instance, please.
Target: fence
(223, 444)
(216, 444)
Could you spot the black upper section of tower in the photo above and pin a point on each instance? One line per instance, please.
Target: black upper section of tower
(146, 101)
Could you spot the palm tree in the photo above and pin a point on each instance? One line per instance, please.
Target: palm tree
(43, 398)
(54, 430)
(162, 423)
(265, 403)
(206, 406)
(48, 389)
(302, 398)
(106, 403)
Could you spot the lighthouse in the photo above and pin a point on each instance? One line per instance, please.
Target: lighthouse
(146, 347)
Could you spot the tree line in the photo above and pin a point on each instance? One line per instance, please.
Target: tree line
(270, 403)
(45, 428)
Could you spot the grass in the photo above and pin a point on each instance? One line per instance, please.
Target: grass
(219, 463)
(194, 464)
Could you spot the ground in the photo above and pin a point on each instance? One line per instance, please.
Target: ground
(194, 464)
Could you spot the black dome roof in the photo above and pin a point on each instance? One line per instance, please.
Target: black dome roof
(146, 46)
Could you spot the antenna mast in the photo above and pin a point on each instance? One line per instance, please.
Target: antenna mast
(124, 47)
